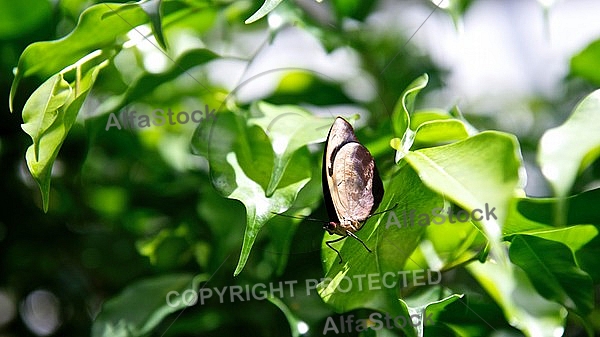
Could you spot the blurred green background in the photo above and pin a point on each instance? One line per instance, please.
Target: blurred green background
(125, 205)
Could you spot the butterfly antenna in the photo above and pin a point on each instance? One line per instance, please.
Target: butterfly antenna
(299, 217)
(387, 210)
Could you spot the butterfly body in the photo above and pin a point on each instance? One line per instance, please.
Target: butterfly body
(351, 184)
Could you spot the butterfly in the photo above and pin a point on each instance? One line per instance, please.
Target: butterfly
(352, 187)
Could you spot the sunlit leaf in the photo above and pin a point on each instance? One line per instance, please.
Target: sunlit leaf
(266, 7)
(288, 128)
(586, 64)
(94, 31)
(481, 172)
(534, 216)
(439, 132)
(51, 131)
(242, 162)
(566, 150)
(43, 107)
(146, 83)
(153, 10)
(405, 105)
(401, 115)
(428, 305)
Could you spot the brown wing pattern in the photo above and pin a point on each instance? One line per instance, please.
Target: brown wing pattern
(340, 133)
(353, 173)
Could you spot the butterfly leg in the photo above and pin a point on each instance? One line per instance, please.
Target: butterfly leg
(328, 243)
(359, 240)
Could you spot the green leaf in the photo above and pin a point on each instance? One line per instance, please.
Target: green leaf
(529, 215)
(43, 107)
(94, 31)
(241, 159)
(18, 18)
(522, 305)
(457, 9)
(551, 268)
(533, 216)
(436, 132)
(517, 222)
(144, 304)
(454, 243)
(355, 9)
(428, 303)
(49, 128)
(146, 83)
(169, 248)
(153, 10)
(405, 105)
(401, 116)
(566, 150)
(266, 7)
(392, 243)
(295, 322)
(289, 128)
(586, 64)
(587, 258)
(421, 116)
(481, 172)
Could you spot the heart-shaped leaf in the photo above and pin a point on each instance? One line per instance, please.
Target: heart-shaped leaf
(479, 173)
(288, 128)
(234, 145)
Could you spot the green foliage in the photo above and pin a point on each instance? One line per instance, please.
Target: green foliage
(48, 116)
(553, 273)
(531, 265)
(567, 150)
(150, 297)
(266, 7)
(585, 63)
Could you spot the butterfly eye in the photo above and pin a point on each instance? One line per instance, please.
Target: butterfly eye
(329, 227)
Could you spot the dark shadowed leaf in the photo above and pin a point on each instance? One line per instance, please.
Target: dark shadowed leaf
(551, 268)
(144, 304)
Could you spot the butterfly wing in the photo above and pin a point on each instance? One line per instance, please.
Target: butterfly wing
(356, 186)
(340, 133)
(351, 184)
